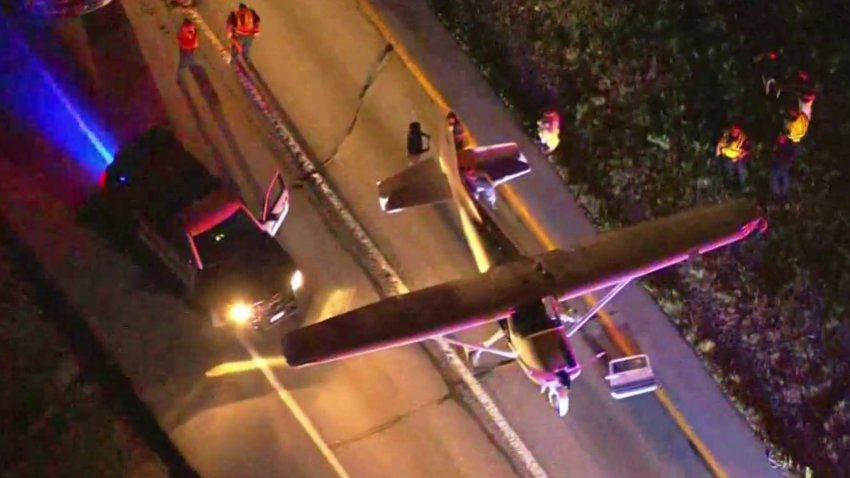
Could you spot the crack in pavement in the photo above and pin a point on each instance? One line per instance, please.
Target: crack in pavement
(392, 421)
(370, 80)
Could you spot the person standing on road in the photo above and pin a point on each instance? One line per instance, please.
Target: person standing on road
(417, 142)
(735, 148)
(243, 25)
(783, 160)
(187, 40)
(457, 130)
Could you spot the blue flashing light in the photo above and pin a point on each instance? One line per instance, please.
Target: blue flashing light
(35, 98)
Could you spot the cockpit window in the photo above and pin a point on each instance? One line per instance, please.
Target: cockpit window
(564, 378)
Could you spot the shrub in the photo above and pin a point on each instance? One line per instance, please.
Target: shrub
(645, 89)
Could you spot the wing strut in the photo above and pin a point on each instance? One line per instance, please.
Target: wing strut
(599, 305)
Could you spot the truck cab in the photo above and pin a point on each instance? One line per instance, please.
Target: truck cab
(203, 232)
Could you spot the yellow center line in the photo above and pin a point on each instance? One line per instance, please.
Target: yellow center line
(242, 366)
(521, 208)
(476, 245)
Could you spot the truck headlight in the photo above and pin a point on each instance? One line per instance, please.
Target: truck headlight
(239, 312)
(296, 281)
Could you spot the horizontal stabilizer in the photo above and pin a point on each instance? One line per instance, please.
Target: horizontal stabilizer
(502, 162)
(605, 260)
(419, 184)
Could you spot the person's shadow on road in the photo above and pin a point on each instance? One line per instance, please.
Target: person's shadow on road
(221, 163)
(210, 95)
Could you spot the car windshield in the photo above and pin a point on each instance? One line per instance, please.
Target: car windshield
(628, 365)
(218, 243)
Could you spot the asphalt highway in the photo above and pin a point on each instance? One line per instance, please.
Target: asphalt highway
(351, 99)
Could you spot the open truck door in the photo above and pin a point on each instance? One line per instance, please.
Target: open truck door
(276, 205)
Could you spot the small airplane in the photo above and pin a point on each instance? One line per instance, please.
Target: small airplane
(525, 295)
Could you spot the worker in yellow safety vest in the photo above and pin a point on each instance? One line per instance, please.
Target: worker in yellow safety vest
(243, 25)
(797, 125)
(549, 131)
(735, 148)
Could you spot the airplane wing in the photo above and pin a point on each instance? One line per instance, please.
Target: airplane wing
(605, 260)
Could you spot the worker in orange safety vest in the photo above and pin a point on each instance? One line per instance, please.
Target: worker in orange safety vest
(735, 148)
(243, 25)
(187, 40)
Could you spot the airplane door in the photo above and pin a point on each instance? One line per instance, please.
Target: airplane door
(276, 205)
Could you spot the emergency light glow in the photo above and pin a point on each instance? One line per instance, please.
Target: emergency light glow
(38, 101)
(75, 115)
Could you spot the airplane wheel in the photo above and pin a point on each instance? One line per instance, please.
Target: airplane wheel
(474, 358)
(559, 399)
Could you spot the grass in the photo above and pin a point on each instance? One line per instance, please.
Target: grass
(645, 89)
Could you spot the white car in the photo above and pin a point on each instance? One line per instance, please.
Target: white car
(631, 376)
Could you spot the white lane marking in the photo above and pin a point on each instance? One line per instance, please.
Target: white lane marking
(258, 360)
(294, 408)
(379, 269)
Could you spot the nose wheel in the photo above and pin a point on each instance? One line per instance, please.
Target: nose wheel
(559, 398)
(474, 357)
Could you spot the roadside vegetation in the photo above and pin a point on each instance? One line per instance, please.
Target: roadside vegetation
(53, 424)
(645, 89)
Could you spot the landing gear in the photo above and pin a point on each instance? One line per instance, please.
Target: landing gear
(559, 398)
(473, 353)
